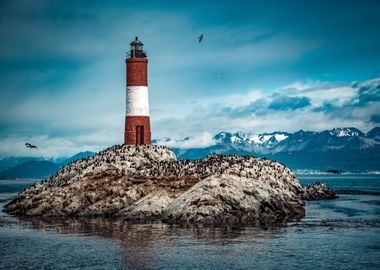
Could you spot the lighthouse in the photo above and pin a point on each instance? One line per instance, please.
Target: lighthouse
(137, 122)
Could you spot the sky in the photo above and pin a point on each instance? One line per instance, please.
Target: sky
(263, 66)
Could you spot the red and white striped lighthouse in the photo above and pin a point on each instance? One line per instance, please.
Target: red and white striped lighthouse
(137, 122)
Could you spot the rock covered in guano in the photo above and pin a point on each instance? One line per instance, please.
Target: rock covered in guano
(148, 182)
(318, 191)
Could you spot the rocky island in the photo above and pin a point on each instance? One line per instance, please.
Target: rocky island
(148, 182)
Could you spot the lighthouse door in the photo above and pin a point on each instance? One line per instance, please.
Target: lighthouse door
(139, 134)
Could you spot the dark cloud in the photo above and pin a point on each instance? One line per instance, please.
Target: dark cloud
(258, 107)
(326, 107)
(375, 118)
(265, 106)
(368, 92)
(284, 103)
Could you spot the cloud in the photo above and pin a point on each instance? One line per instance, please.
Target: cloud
(375, 118)
(267, 105)
(368, 92)
(281, 103)
(203, 139)
(320, 93)
(96, 125)
(47, 146)
(62, 70)
(312, 106)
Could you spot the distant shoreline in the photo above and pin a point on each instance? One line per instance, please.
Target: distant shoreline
(22, 179)
(324, 173)
(357, 192)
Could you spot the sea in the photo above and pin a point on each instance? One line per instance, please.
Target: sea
(335, 234)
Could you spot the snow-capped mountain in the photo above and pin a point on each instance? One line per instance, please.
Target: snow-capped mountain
(275, 142)
(346, 132)
(265, 139)
(338, 147)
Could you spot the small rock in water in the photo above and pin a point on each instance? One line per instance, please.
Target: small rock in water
(318, 191)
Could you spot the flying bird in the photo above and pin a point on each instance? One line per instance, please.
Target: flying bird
(28, 145)
(200, 38)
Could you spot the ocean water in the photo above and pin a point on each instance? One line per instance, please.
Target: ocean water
(335, 234)
(358, 182)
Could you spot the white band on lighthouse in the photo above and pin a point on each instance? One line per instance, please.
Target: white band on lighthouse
(137, 101)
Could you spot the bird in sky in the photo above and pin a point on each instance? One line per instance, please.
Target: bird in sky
(200, 38)
(28, 145)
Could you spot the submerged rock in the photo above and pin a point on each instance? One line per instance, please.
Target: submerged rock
(148, 182)
(318, 191)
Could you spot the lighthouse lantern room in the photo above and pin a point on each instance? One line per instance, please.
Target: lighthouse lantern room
(137, 122)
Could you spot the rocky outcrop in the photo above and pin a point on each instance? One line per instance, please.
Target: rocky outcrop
(228, 199)
(148, 207)
(148, 182)
(318, 191)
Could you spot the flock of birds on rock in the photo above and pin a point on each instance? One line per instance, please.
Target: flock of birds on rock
(120, 157)
(211, 165)
(141, 162)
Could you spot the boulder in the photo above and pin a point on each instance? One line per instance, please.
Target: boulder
(148, 207)
(318, 191)
(231, 199)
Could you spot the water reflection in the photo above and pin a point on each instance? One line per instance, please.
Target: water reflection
(158, 245)
(141, 243)
(349, 225)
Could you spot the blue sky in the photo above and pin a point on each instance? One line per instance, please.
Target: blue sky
(263, 66)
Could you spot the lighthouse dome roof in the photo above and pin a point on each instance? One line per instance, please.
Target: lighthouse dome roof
(136, 42)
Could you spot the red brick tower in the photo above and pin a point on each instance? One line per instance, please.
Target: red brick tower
(137, 122)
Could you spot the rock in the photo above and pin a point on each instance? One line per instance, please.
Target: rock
(148, 207)
(231, 199)
(148, 182)
(318, 191)
(73, 207)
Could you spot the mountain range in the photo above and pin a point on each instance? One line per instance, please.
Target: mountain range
(35, 167)
(343, 149)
